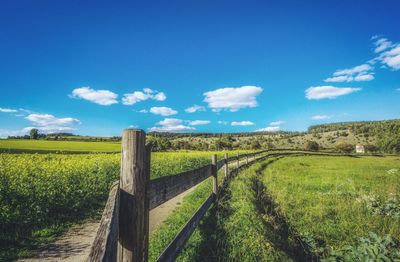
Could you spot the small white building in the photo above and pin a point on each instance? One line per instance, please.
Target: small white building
(360, 149)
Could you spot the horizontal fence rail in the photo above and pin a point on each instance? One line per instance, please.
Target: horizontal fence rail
(123, 233)
(163, 189)
(105, 244)
(176, 246)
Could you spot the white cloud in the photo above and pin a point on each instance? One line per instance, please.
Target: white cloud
(50, 120)
(223, 122)
(147, 93)
(171, 125)
(392, 61)
(321, 117)
(354, 70)
(389, 53)
(331, 92)
(242, 123)
(277, 123)
(199, 122)
(164, 111)
(144, 111)
(160, 96)
(231, 98)
(364, 77)
(8, 110)
(45, 123)
(269, 129)
(195, 108)
(339, 79)
(101, 97)
(398, 89)
(358, 73)
(49, 129)
(4, 133)
(382, 44)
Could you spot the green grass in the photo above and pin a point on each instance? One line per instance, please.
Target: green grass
(44, 146)
(302, 206)
(327, 199)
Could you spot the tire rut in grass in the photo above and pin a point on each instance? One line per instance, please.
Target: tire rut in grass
(279, 232)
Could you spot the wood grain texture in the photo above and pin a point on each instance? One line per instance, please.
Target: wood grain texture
(133, 182)
(175, 247)
(104, 247)
(164, 188)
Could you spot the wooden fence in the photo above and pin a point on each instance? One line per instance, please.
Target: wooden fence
(123, 234)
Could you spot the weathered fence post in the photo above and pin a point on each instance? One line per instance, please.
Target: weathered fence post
(134, 207)
(238, 161)
(226, 165)
(214, 173)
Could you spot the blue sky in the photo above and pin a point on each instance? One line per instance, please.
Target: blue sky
(96, 67)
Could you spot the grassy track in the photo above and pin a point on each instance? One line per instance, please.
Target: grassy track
(44, 146)
(343, 208)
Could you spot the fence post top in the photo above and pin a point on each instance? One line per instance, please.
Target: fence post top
(131, 130)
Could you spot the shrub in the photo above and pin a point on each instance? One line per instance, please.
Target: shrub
(312, 146)
(345, 147)
(371, 148)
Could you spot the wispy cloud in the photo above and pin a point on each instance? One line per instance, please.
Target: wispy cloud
(330, 92)
(269, 129)
(101, 97)
(242, 123)
(277, 123)
(147, 93)
(231, 98)
(199, 122)
(389, 53)
(8, 110)
(195, 108)
(382, 44)
(222, 122)
(358, 73)
(171, 125)
(272, 127)
(321, 117)
(164, 111)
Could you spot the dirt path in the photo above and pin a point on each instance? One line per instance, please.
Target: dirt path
(74, 245)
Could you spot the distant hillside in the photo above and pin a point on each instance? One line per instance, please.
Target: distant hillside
(362, 127)
(383, 136)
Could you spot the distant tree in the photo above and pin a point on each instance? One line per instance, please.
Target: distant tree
(371, 148)
(345, 147)
(34, 133)
(312, 146)
(255, 145)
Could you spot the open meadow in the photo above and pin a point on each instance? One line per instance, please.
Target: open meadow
(51, 146)
(305, 207)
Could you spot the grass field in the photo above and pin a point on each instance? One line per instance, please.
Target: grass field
(333, 202)
(45, 146)
(333, 208)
